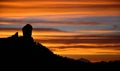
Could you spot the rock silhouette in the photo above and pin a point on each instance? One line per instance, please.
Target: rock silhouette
(24, 50)
(27, 31)
(17, 45)
(15, 35)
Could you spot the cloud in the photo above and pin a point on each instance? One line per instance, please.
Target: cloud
(69, 0)
(2, 27)
(94, 20)
(32, 20)
(97, 25)
(77, 41)
(48, 30)
(58, 4)
(52, 6)
(86, 47)
(97, 19)
(36, 7)
(103, 32)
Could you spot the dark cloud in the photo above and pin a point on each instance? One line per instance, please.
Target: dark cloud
(74, 6)
(86, 47)
(66, 47)
(35, 29)
(46, 21)
(95, 20)
(48, 30)
(32, 20)
(77, 41)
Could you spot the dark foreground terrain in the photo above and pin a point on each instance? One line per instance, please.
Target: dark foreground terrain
(24, 52)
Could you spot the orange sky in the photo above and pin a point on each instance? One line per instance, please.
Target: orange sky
(48, 7)
(77, 27)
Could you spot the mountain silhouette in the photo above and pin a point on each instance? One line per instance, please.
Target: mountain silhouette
(24, 50)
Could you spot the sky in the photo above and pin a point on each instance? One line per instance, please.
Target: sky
(67, 27)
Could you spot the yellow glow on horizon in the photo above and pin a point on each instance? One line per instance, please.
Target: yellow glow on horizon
(79, 44)
(84, 51)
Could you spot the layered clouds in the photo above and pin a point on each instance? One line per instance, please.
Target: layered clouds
(85, 27)
(97, 25)
(43, 7)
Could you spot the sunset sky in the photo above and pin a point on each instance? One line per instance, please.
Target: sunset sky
(67, 27)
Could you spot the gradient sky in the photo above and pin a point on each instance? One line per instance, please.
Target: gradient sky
(81, 27)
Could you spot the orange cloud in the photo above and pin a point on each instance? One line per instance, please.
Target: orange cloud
(105, 7)
(89, 51)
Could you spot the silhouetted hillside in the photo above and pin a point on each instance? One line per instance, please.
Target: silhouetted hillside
(25, 51)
